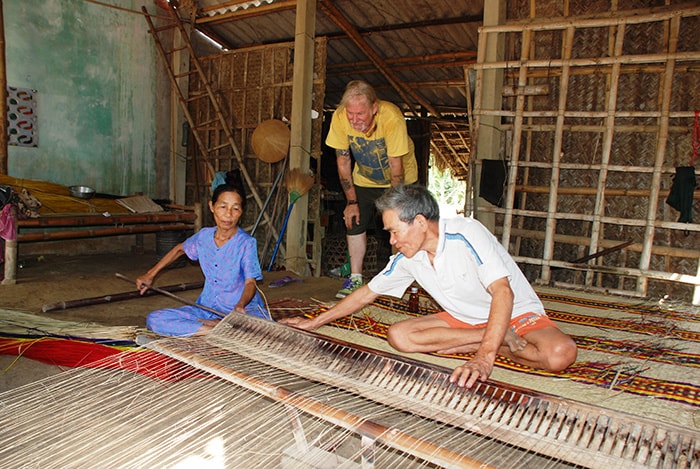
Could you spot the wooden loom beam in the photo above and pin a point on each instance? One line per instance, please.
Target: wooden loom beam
(392, 437)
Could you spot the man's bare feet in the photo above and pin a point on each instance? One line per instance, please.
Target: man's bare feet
(514, 342)
(460, 349)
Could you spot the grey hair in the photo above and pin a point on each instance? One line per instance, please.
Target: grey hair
(358, 88)
(409, 201)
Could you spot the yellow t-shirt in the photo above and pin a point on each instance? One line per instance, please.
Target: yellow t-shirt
(372, 152)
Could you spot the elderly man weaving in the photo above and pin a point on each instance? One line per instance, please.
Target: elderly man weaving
(489, 306)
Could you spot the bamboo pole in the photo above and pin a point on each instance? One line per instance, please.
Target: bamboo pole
(551, 224)
(597, 61)
(665, 93)
(669, 170)
(593, 114)
(662, 193)
(517, 138)
(114, 297)
(608, 19)
(608, 136)
(613, 220)
(476, 116)
(522, 201)
(451, 59)
(633, 69)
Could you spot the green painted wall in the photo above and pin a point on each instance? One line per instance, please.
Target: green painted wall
(94, 69)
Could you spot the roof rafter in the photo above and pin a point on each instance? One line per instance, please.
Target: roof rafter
(401, 88)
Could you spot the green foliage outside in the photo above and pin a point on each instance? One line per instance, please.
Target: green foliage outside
(450, 192)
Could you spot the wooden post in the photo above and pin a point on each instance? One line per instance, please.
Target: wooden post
(3, 93)
(300, 139)
(11, 254)
(486, 138)
(180, 63)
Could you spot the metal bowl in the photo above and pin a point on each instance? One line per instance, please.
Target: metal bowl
(82, 192)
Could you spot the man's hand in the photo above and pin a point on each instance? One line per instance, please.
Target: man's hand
(467, 373)
(300, 322)
(351, 215)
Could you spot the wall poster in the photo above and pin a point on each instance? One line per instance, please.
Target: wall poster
(22, 124)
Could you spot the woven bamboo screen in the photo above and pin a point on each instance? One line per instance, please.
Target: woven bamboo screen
(592, 157)
(253, 85)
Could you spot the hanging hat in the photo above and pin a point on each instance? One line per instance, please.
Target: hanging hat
(270, 140)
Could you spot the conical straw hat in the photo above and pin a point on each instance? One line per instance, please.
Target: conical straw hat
(270, 140)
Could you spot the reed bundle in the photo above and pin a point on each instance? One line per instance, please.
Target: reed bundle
(15, 322)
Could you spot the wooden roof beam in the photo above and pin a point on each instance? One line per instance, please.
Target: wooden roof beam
(404, 91)
(456, 156)
(477, 19)
(452, 59)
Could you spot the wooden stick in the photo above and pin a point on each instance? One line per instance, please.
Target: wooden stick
(61, 305)
(172, 295)
(603, 252)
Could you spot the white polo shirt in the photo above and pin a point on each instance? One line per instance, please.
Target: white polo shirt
(468, 259)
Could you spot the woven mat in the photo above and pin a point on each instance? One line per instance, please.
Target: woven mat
(638, 358)
(56, 198)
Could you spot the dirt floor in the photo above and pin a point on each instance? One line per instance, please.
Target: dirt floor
(49, 279)
(52, 279)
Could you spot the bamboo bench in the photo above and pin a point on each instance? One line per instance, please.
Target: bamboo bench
(59, 227)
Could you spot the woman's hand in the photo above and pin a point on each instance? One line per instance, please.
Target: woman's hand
(143, 282)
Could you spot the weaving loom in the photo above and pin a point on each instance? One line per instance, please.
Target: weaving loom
(260, 394)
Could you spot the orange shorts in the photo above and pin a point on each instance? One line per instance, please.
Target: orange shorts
(521, 325)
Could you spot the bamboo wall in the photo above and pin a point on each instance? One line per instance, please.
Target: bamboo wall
(253, 85)
(591, 159)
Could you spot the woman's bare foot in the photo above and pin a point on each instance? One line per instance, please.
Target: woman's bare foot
(207, 326)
